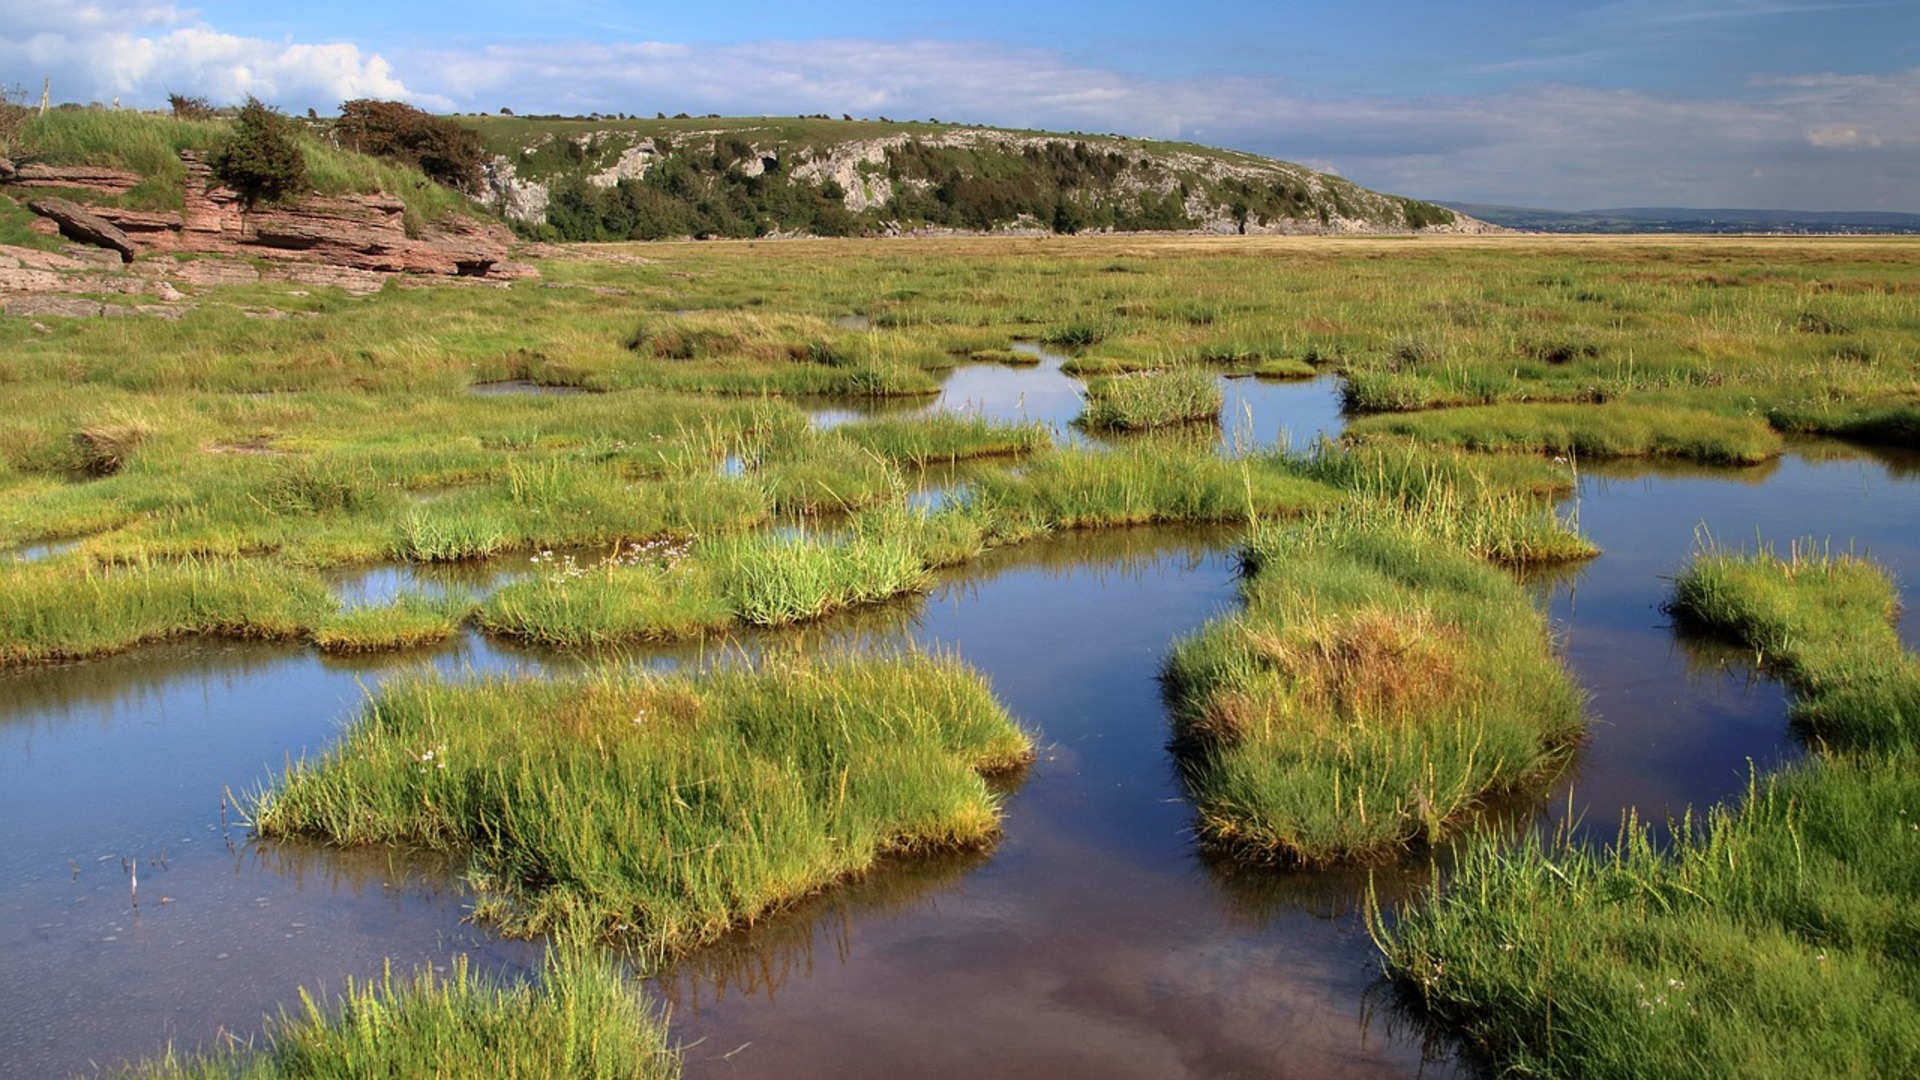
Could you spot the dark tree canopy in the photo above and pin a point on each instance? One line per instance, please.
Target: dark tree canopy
(437, 146)
(262, 159)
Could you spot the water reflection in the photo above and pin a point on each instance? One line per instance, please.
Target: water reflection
(1677, 720)
(1256, 414)
(1093, 937)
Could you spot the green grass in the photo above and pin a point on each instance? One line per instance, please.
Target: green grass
(1149, 400)
(1496, 507)
(664, 810)
(1142, 484)
(582, 1019)
(1774, 939)
(345, 434)
(945, 438)
(1586, 431)
(730, 580)
(1825, 623)
(411, 621)
(1381, 686)
(51, 612)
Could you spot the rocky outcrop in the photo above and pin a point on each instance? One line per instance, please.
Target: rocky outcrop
(78, 223)
(90, 177)
(364, 233)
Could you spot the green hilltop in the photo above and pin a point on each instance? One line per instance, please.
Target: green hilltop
(627, 178)
(616, 178)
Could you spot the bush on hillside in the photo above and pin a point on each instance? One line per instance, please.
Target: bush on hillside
(13, 118)
(262, 160)
(190, 107)
(444, 150)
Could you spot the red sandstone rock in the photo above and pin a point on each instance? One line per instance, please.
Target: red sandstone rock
(92, 177)
(357, 232)
(78, 223)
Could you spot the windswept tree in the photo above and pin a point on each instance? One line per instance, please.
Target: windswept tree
(445, 151)
(262, 159)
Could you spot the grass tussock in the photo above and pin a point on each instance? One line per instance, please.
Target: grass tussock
(1496, 507)
(1774, 939)
(582, 1019)
(55, 612)
(1588, 431)
(411, 621)
(664, 809)
(1147, 400)
(946, 438)
(1146, 484)
(1824, 622)
(753, 579)
(1380, 686)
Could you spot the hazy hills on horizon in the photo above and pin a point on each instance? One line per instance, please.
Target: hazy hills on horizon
(1678, 219)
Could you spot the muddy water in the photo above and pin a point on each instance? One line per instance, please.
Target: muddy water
(1092, 941)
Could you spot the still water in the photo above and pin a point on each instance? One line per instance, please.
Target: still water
(1093, 940)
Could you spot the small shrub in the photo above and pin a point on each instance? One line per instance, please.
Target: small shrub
(190, 107)
(13, 117)
(262, 160)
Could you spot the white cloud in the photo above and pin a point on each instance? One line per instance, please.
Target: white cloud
(139, 52)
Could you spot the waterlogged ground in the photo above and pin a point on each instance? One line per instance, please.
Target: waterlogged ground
(1092, 941)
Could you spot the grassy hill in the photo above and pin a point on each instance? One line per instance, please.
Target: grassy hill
(629, 178)
(596, 178)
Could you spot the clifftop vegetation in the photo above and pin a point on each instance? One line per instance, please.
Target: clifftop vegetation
(625, 178)
(622, 178)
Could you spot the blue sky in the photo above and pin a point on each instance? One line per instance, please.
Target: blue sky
(1805, 104)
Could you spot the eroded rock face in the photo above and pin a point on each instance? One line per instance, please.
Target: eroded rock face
(92, 177)
(79, 223)
(354, 232)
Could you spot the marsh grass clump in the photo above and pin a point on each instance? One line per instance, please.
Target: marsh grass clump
(1773, 938)
(53, 612)
(664, 810)
(412, 620)
(1149, 400)
(1380, 687)
(1613, 430)
(103, 447)
(583, 1018)
(1824, 622)
(945, 437)
(428, 535)
(1143, 484)
(733, 579)
(771, 580)
(1496, 506)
